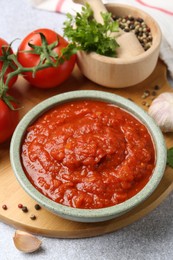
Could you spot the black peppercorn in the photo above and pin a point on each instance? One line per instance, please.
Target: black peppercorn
(37, 207)
(156, 87)
(4, 207)
(33, 217)
(25, 209)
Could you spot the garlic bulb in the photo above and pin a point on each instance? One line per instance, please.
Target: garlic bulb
(26, 242)
(161, 110)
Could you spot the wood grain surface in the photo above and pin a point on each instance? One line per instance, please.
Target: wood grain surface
(46, 223)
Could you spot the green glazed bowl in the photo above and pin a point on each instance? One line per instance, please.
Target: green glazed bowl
(89, 215)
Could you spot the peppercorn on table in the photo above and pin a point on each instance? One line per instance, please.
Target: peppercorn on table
(148, 238)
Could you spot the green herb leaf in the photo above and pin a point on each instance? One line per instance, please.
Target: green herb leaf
(170, 157)
(89, 35)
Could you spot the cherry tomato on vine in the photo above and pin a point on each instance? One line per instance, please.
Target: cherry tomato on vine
(8, 121)
(47, 77)
(9, 69)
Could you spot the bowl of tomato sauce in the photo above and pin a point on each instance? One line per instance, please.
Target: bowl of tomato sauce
(88, 156)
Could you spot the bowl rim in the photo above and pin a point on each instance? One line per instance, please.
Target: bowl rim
(135, 59)
(88, 215)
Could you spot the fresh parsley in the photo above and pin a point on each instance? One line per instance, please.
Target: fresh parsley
(170, 157)
(89, 35)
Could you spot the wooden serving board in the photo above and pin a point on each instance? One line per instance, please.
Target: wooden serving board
(46, 223)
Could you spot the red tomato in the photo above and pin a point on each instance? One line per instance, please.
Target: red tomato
(9, 69)
(8, 121)
(49, 77)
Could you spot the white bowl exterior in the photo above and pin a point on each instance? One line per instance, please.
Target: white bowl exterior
(87, 215)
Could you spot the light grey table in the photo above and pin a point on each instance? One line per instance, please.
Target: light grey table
(150, 238)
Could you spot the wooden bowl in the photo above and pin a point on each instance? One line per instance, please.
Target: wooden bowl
(122, 72)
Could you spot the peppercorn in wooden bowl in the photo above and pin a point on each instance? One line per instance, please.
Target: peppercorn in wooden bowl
(132, 64)
(88, 156)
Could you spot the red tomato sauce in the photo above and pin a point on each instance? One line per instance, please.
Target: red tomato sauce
(88, 154)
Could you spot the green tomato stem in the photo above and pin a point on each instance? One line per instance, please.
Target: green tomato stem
(22, 70)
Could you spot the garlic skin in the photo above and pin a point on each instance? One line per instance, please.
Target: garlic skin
(26, 242)
(161, 110)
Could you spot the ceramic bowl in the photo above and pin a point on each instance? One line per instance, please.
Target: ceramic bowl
(88, 215)
(122, 72)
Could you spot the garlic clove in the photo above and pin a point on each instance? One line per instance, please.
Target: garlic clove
(161, 110)
(26, 242)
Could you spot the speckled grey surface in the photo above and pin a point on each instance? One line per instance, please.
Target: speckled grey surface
(150, 238)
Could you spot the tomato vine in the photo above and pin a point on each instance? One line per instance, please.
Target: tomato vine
(48, 58)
